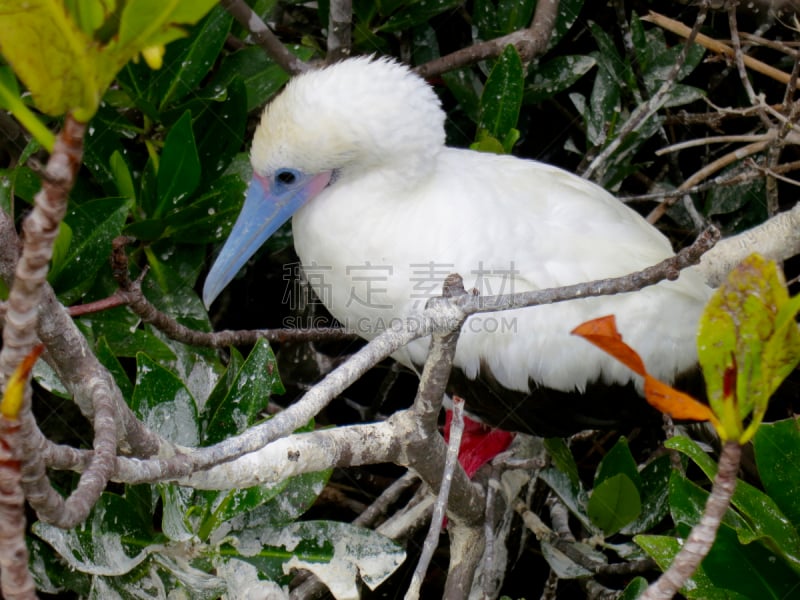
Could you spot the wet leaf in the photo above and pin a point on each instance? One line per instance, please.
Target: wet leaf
(748, 342)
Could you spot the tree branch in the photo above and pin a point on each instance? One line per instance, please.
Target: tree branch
(530, 43)
(264, 36)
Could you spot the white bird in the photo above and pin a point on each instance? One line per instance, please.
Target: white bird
(384, 211)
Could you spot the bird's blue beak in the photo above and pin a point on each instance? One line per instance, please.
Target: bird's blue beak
(267, 206)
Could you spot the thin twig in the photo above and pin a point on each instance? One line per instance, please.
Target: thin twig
(741, 68)
(264, 36)
(707, 171)
(450, 465)
(130, 294)
(682, 30)
(530, 42)
(716, 139)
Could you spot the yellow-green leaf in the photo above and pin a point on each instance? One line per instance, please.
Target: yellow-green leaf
(748, 343)
(68, 52)
(50, 55)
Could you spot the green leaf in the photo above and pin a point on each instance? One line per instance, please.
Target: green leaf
(661, 59)
(777, 453)
(564, 566)
(61, 246)
(654, 492)
(603, 109)
(687, 502)
(726, 199)
(680, 95)
(46, 377)
(562, 458)
(21, 182)
(9, 88)
(51, 574)
(495, 19)
(764, 519)
(220, 131)
(90, 14)
(634, 589)
(555, 76)
(568, 13)
(122, 175)
(261, 76)
(119, 327)
(162, 401)
(162, 577)
(249, 394)
(502, 95)
(614, 503)
(70, 70)
(261, 506)
(271, 506)
(147, 230)
(107, 358)
(337, 553)
(179, 167)
(152, 22)
(126, 539)
(467, 88)
(487, 143)
(663, 549)
(188, 61)
(750, 569)
(185, 262)
(617, 69)
(94, 225)
(50, 55)
(102, 141)
(208, 219)
(417, 13)
(573, 497)
(180, 505)
(618, 460)
(11, 100)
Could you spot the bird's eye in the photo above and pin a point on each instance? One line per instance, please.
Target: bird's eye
(286, 176)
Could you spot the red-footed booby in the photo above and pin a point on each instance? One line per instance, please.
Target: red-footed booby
(384, 211)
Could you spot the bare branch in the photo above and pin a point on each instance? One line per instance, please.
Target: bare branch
(40, 228)
(139, 304)
(776, 239)
(450, 465)
(530, 43)
(264, 36)
(20, 335)
(666, 269)
(339, 35)
(16, 582)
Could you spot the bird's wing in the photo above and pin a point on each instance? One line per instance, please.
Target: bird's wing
(506, 225)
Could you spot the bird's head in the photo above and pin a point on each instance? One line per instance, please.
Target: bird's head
(345, 120)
